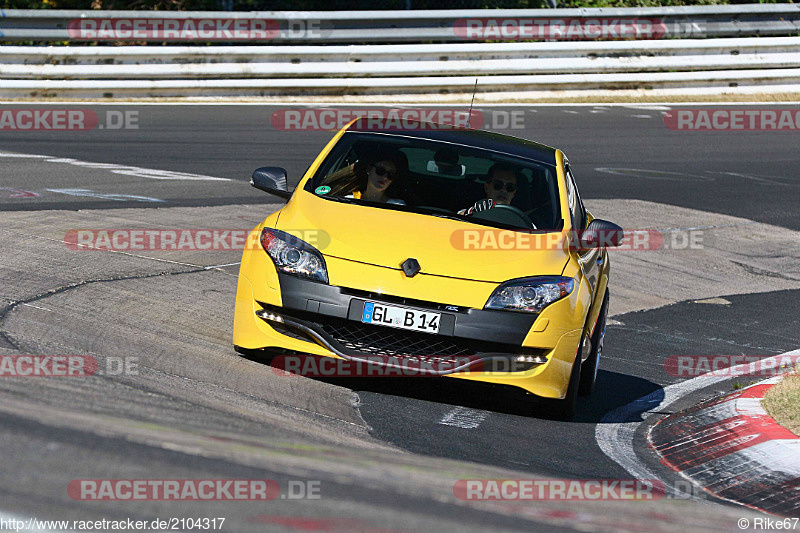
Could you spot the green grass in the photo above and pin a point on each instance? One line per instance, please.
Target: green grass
(782, 402)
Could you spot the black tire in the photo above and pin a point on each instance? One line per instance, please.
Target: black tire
(589, 367)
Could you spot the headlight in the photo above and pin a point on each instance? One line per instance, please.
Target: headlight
(530, 294)
(294, 256)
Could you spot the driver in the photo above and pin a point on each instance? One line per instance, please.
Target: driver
(500, 188)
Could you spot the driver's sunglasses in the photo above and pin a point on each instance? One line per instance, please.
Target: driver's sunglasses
(383, 171)
(498, 186)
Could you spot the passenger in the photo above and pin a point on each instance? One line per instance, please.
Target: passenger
(500, 188)
(383, 180)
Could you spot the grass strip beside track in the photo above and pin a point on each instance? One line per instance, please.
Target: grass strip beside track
(782, 402)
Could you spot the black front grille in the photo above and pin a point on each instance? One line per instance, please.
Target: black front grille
(381, 340)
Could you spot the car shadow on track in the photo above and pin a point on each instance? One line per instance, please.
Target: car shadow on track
(613, 390)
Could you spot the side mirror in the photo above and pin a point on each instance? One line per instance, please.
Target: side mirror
(599, 234)
(271, 180)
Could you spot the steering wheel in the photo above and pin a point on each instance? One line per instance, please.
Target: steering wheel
(508, 208)
(530, 212)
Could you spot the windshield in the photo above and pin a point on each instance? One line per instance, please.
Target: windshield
(440, 179)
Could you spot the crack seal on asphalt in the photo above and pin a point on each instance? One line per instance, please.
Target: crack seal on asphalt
(6, 338)
(53, 292)
(762, 272)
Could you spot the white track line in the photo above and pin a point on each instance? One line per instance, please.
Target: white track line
(462, 417)
(114, 168)
(614, 434)
(23, 156)
(105, 196)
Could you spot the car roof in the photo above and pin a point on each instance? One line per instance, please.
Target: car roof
(486, 140)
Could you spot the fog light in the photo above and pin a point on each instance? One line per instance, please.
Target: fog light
(538, 359)
(266, 315)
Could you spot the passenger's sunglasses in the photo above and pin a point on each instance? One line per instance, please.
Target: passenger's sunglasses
(498, 186)
(383, 171)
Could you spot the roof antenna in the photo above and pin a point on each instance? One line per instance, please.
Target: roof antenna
(469, 118)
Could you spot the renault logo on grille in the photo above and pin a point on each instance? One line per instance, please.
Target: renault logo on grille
(411, 267)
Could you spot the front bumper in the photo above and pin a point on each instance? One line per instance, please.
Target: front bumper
(382, 345)
(468, 339)
(486, 345)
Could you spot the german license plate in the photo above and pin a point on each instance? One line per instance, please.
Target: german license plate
(400, 317)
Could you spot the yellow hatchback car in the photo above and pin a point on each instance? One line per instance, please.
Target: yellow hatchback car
(468, 248)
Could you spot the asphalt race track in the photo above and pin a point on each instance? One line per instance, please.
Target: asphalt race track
(744, 174)
(383, 454)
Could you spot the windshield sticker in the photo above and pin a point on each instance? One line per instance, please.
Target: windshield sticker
(322, 190)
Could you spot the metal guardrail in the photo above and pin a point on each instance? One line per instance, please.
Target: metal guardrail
(703, 82)
(315, 65)
(309, 27)
(394, 61)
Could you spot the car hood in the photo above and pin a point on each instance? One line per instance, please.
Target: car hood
(386, 238)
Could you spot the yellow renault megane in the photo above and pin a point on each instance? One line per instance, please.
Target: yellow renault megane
(469, 248)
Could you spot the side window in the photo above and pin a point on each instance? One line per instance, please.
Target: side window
(576, 208)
